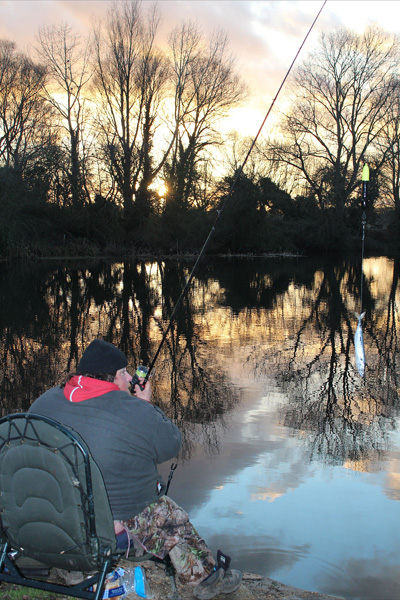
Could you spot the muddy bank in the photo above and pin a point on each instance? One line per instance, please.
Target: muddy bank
(254, 587)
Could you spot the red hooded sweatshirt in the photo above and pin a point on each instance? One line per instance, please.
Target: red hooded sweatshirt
(81, 388)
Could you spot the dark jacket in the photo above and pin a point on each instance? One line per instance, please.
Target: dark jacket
(128, 437)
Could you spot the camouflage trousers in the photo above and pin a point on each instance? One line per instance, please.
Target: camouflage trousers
(164, 528)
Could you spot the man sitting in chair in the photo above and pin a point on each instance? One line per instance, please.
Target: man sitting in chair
(128, 437)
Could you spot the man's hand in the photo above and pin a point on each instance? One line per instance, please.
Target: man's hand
(145, 393)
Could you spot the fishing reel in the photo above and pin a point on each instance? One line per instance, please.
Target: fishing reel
(140, 373)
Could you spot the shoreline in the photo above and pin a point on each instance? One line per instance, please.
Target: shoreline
(254, 587)
(189, 256)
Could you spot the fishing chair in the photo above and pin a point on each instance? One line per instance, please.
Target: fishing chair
(54, 509)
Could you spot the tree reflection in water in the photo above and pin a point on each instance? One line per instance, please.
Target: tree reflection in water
(345, 418)
(292, 321)
(48, 315)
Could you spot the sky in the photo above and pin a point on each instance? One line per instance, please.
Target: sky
(264, 35)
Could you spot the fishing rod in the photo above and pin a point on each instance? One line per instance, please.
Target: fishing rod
(142, 371)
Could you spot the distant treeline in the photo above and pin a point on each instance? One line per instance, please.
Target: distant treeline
(258, 218)
(111, 145)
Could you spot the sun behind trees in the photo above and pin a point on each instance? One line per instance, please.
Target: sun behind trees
(91, 129)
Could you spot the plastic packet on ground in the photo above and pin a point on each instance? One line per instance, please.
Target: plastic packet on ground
(136, 582)
(114, 585)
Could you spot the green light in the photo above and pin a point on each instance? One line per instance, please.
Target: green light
(365, 173)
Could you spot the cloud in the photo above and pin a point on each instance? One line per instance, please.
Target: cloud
(373, 579)
(264, 36)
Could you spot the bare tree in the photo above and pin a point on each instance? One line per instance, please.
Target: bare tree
(66, 60)
(339, 107)
(154, 73)
(21, 108)
(388, 148)
(206, 87)
(129, 82)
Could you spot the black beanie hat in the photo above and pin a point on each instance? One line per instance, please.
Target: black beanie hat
(101, 357)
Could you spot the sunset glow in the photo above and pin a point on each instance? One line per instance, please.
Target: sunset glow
(263, 36)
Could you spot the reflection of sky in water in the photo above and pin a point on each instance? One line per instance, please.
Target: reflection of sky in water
(323, 528)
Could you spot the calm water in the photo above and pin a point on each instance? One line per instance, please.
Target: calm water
(291, 462)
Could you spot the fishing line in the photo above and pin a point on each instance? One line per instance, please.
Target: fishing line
(362, 261)
(225, 201)
(364, 204)
(358, 336)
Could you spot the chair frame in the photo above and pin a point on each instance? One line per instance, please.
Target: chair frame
(22, 426)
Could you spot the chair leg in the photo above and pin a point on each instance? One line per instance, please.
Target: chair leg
(102, 578)
(3, 554)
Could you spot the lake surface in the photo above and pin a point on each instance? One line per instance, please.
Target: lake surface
(291, 460)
